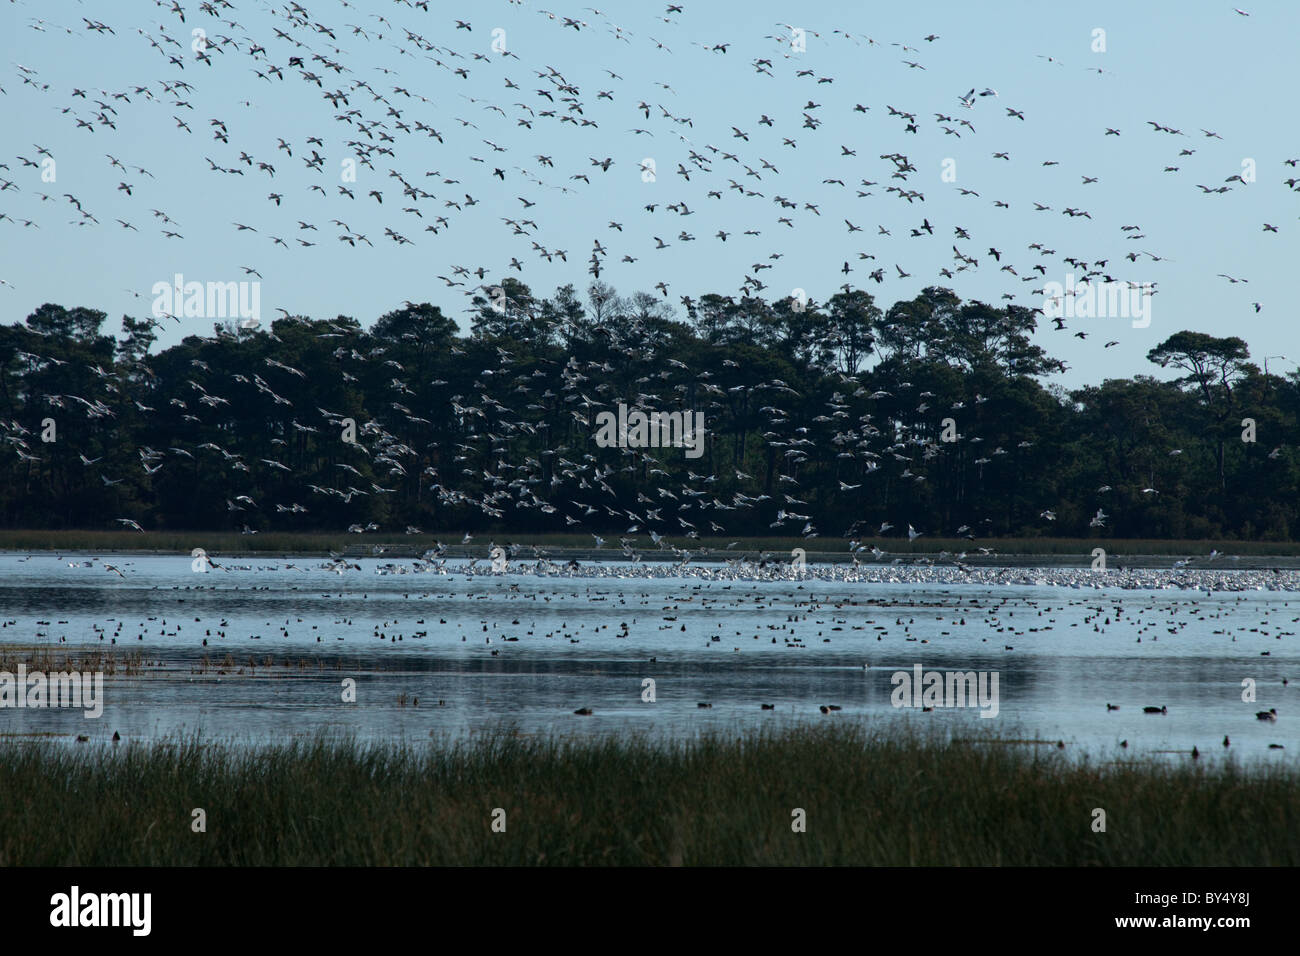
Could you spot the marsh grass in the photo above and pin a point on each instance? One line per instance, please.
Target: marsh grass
(90, 660)
(869, 799)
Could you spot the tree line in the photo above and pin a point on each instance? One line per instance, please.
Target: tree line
(826, 419)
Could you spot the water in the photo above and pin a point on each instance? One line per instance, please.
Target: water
(1060, 654)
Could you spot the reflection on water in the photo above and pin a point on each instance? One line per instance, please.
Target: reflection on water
(261, 653)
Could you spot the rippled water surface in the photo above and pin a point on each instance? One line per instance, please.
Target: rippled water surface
(259, 649)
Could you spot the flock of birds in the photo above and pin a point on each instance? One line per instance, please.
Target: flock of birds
(380, 123)
(413, 137)
(674, 622)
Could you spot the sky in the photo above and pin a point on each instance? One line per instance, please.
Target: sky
(1187, 66)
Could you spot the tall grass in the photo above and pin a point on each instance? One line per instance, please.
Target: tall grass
(868, 799)
(49, 661)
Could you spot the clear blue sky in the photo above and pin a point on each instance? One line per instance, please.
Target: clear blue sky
(1189, 66)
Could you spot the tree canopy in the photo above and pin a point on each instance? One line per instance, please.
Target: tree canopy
(821, 419)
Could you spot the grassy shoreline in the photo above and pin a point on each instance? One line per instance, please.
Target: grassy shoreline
(868, 799)
(817, 549)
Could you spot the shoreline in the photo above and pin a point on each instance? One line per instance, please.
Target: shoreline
(1137, 554)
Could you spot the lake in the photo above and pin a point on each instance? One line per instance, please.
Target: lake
(258, 650)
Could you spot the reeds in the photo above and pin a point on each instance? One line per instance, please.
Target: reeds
(719, 800)
(48, 660)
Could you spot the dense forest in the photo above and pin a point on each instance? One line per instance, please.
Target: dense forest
(828, 419)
